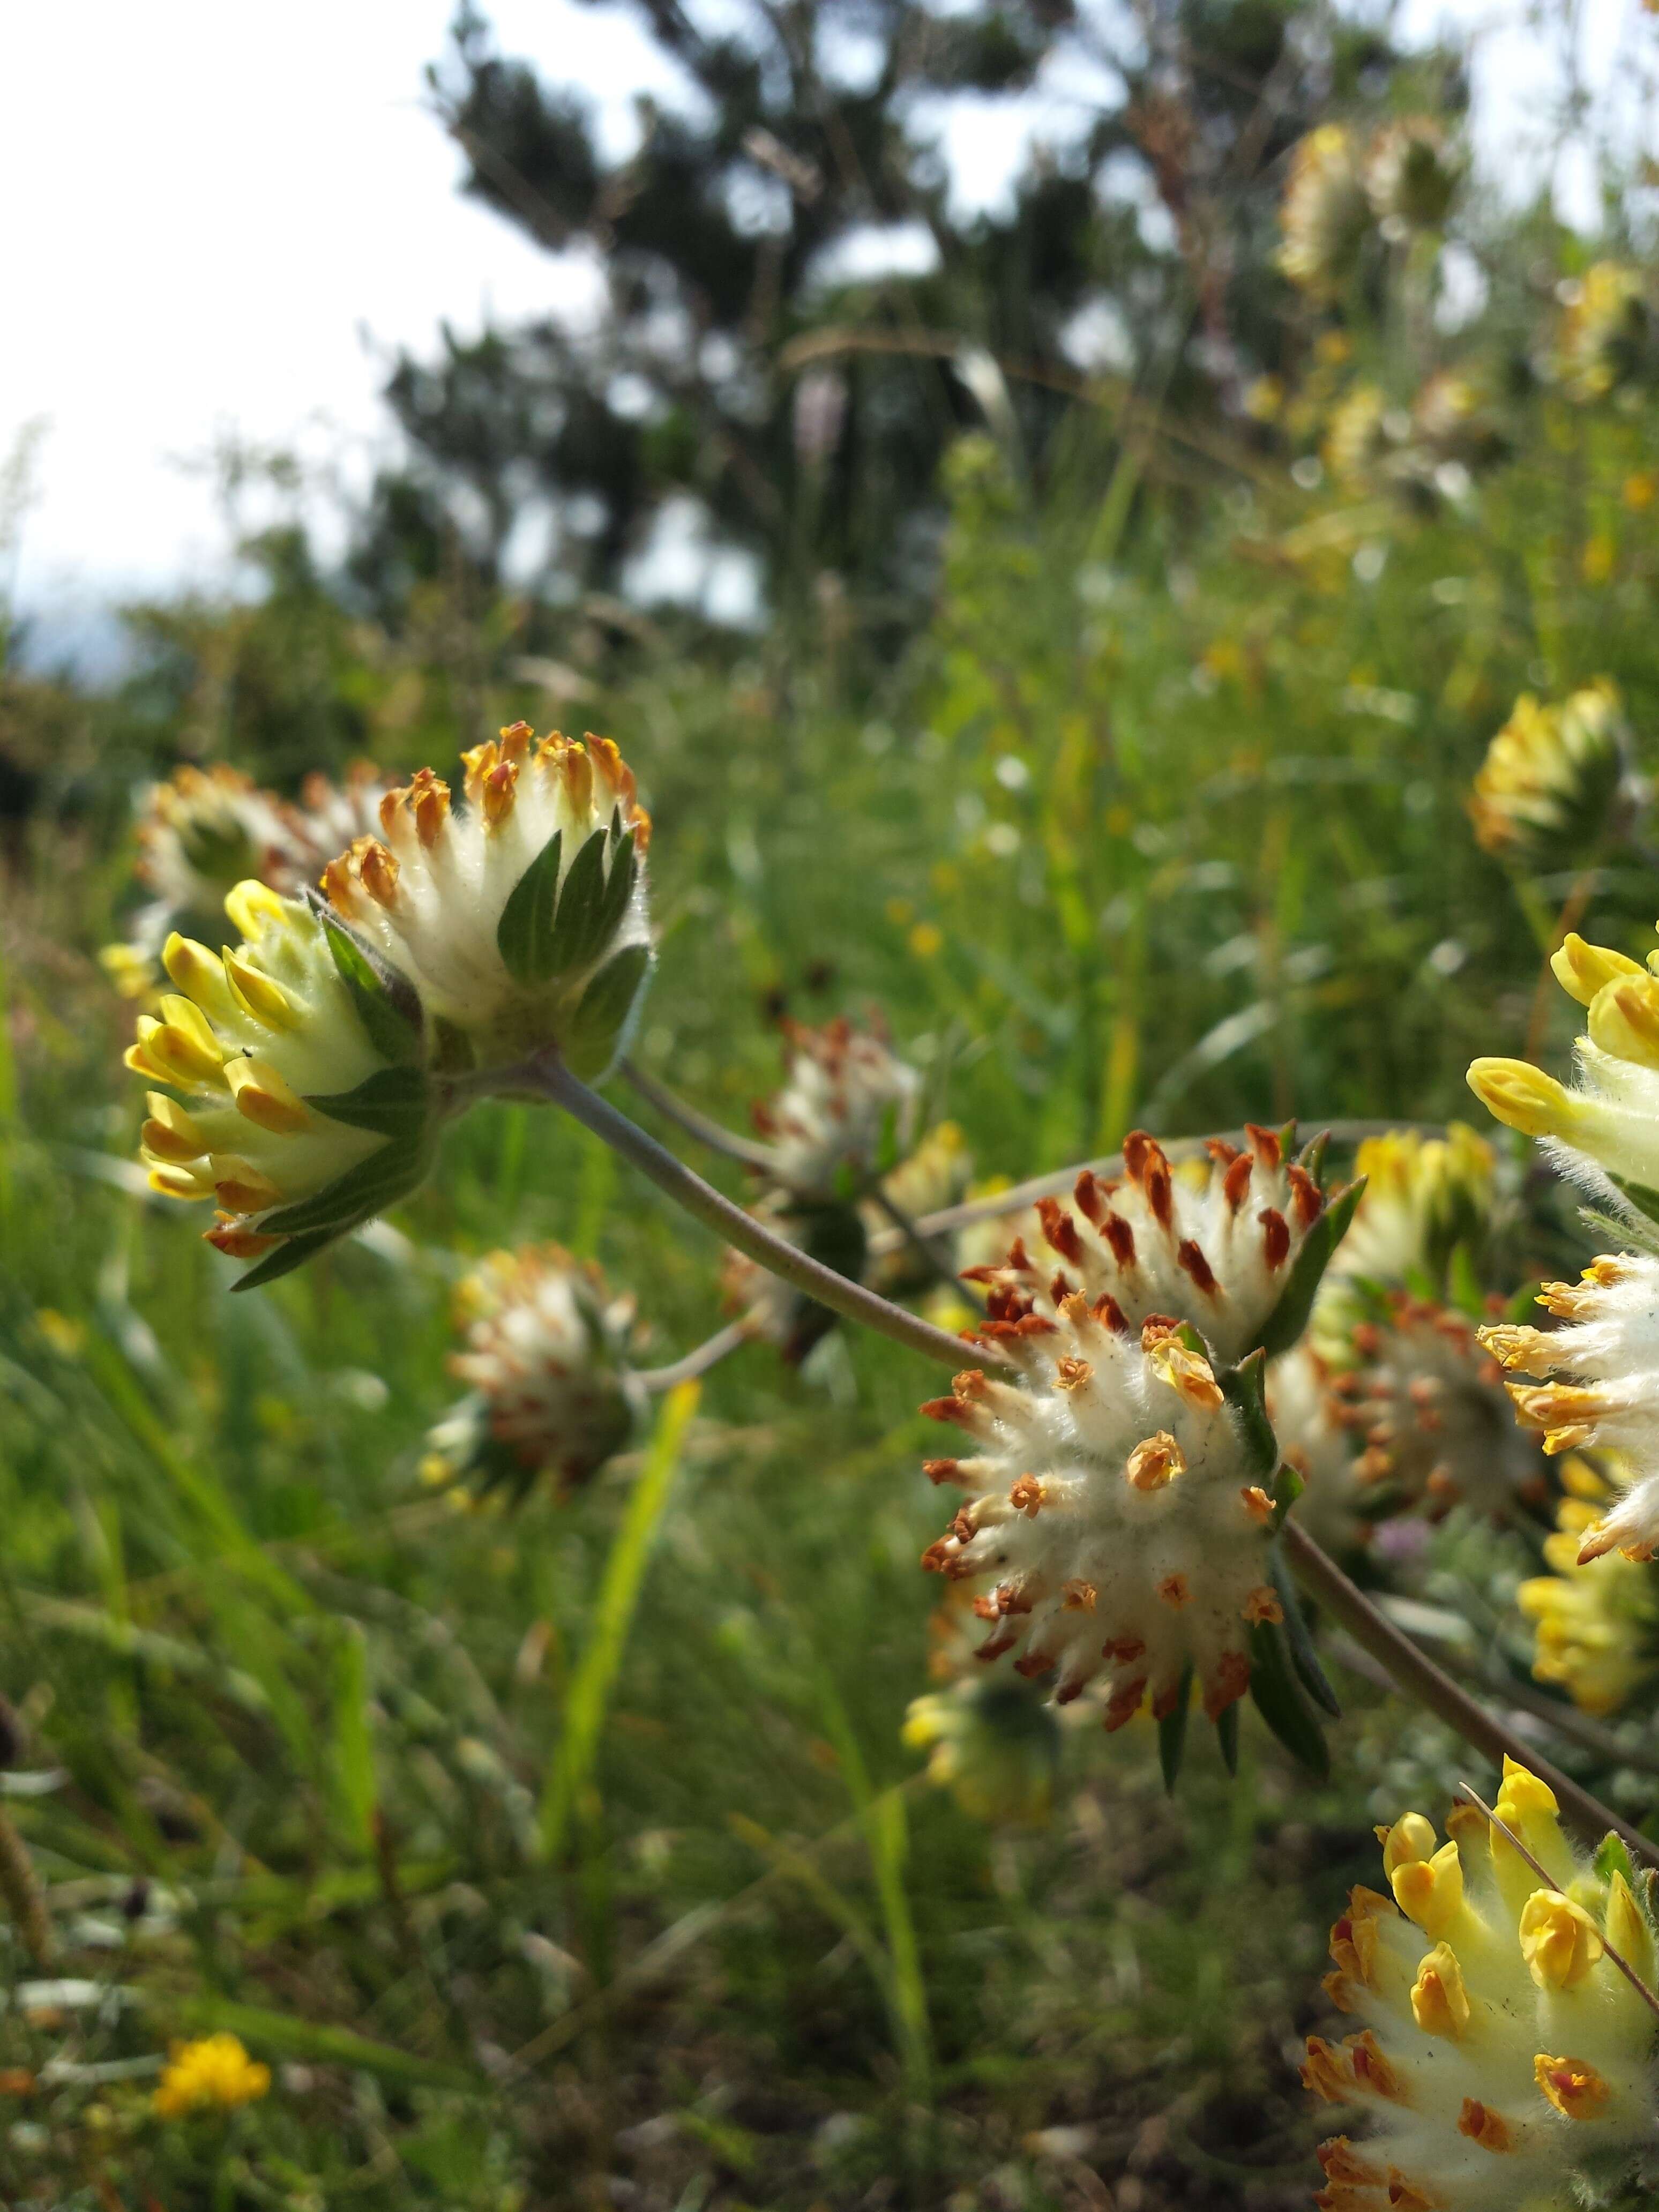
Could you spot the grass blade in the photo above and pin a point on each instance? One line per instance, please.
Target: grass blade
(584, 1708)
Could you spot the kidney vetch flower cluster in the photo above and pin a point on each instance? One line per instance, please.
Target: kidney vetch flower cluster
(520, 923)
(1118, 1504)
(547, 1353)
(319, 1058)
(1503, 2061)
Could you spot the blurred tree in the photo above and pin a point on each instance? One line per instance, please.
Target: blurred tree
(742, 359)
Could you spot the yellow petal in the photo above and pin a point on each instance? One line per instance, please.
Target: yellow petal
(255, 993)
(170, 1134)
(266, 1100)
(1523, 1096)
(1583, 969)
(251, 906)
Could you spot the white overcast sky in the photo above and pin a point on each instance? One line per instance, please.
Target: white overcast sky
(224, 216)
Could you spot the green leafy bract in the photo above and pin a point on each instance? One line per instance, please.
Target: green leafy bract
(594, 1031)
(1280, 1701)
(387, 1004)
(524, 935)
(1244, 1387)
(1285, 1323)
(393, 1102)
(1172, 1732)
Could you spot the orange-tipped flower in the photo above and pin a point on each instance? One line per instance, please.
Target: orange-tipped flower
(518, 919)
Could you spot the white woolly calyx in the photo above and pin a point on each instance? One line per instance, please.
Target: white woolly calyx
(546, 1351)
(1608, 1355)
(1237, 1250)
(847, 1100)
(519, 924)
(1116, 1507)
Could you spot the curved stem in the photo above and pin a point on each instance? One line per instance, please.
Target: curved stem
(549, 1076)
(937, 1263)
(1177, 1148)
(700, 1127)
(1413, 1671)
(697, 1362)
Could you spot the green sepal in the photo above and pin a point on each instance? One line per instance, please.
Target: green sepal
(1288, 1319)
(1279, 1700)
(524, 935)
(387, 1003)
(393, 1102)
(1189, 1336)
(593, 1033)
(284, 1259)
(1303, 1657)
(1244, 1387)
(368, 1189)
(1612, 1856)
(1288, 1487)
(1286, 1134)
(1226, 1737)
(1172, 1732)
(1311, 1159)
(1644, 1199)
(592, 903)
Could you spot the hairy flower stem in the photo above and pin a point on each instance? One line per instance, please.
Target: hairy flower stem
(549, 1076)
(1414, 1672)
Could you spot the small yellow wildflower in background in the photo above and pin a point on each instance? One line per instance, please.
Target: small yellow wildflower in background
(1596, 1620)
(213, 2073)
(1551, 773)
(1599, 559)
(1324, 211)
(1640, 491)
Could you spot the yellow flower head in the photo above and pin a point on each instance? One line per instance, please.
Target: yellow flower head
(1355, 439)
(1424, 1196)
(1501, 2057)
(1551, 773)
(991, 1741)
(293, 1097)
(1603, 333)
(212, 2075)
(1324, 213)
(1595, 1620)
